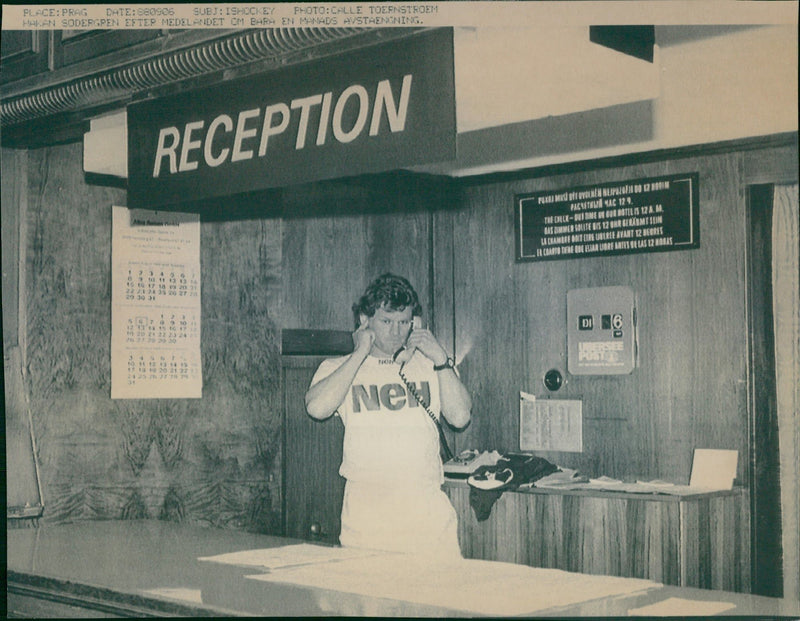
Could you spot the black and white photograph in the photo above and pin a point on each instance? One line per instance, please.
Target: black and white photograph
(401, 309)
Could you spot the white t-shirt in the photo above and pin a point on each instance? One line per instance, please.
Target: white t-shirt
(389, 437)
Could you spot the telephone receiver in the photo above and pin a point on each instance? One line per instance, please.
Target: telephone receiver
(404, 354)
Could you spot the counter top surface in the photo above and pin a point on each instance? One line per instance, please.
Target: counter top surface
(147, 558)
(156, 562)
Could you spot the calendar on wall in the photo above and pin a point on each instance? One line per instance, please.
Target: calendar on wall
(155, 305)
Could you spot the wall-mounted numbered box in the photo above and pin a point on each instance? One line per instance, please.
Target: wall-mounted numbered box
(601, 331)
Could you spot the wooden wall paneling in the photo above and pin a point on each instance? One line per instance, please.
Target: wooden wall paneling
(576, 533)
(656, 395)
(66, 253)
(444, 202)
(723, 554)
(690, 311)
(664, 530)
(316, 252)
(718, 529)
(695, 550)
(598, 536)
(582, 547)
(665, 403)
(404, 237)
(488, 331)
(491, 533)
(324, 261)
(741, 555)
(654, 548)
(703, 575)
(12, 186)
(546, 530)
(490, 335)
(689, 545)
(719, 414)
(233, 442)
(512, 528)
(696, 541)
(313, 490)
(778, 166)
(214, 460)
(23, 499)
(338, 237)
(499, 537)
(703, 344)
(442, 229)
(399, 242)
(459, 498)
(473, 534)
(22, 482)
(643, 551)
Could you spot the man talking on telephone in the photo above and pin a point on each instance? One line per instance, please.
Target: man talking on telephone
(390, 393)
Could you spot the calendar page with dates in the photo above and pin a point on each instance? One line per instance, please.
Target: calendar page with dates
(155, 305)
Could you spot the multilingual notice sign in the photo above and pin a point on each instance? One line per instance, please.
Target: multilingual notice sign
(643, 215)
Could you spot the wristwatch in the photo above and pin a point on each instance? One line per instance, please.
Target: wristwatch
(447, 364)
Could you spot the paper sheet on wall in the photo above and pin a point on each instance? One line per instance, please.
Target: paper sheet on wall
(155, 305)
(550, 424)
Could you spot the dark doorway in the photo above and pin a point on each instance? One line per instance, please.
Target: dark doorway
(765, 492)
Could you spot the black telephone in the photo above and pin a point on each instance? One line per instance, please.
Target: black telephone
(403, 355)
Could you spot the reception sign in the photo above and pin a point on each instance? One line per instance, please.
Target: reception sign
(641, 215)
(375, 109)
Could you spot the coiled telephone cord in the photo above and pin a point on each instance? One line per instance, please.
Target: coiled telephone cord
(446, 453)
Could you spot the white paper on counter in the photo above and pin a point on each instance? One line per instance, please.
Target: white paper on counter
(678, 607)
(713, 469)
(472, 586)
(291, 555)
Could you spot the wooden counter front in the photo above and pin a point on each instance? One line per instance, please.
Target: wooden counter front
(702, 540)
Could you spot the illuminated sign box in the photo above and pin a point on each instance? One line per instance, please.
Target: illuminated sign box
(643, 215)
(375, 109)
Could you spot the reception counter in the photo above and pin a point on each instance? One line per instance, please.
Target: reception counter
(688, 539)
(152, 568)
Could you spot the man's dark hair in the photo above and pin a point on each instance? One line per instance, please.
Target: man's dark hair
(391, 292)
